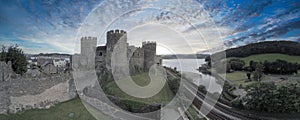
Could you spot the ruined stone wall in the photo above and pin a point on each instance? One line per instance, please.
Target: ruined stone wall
(158, 60)
(100, 59)
(149, 54)
(5, 73)
(136, 59)
(139, 59)
(100, 55)
(19, 93)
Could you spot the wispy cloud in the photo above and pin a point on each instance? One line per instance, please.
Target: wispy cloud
(52, 26)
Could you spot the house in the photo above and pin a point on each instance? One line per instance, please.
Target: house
(48, 68)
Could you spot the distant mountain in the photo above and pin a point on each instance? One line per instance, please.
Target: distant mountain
(185, 56)
(48, 55)
(283, 47)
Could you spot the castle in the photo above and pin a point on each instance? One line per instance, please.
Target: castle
(139, 58)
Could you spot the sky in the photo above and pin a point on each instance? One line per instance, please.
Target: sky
(178, 26)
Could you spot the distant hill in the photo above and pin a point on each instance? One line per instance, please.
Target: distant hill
(51, 54)
(283, 47)
(271, 57)
(184, 56)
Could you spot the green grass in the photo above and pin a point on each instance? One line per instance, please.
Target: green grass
(61, 111)
(164, 96)
(239, 78)
(270, 57)
(141, 79)
(193, 113)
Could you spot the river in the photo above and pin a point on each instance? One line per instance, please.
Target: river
(190, 66)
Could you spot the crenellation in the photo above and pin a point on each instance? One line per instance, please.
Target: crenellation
(142, 57)
(123, 32)
(148, 43)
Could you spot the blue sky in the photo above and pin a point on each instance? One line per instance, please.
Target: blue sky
(50, 25)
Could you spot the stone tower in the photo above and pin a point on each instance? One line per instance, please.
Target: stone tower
(149, 54)
(88, 51)
(88, 44)
(115, 37)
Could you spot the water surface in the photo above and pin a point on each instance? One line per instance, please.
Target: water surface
(189, 68)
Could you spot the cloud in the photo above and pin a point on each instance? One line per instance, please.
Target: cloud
(53, 25)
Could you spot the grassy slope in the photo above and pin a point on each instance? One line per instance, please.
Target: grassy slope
(239, 77)
(59, 112)
(164, 96)
(62, 110)
(270, 57)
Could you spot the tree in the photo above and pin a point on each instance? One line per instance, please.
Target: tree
(280, 67)
(268, 97)
(16, 56)
(258, 96)
(236, 64)
(249, 75)
(252, 65)
(257, 74)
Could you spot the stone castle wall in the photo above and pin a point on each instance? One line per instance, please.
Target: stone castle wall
(149, 54)
(5, 73)
(115, 37)
(139, 58)
(136, 59)
(19, 93)
(87, 44)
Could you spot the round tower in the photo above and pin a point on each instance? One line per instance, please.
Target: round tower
(149, 54)
(113, 37)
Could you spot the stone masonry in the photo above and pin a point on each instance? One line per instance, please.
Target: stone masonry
(139, 58)
(41, 91)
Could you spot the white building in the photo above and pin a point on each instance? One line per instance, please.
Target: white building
(60, 62)
(31, 62)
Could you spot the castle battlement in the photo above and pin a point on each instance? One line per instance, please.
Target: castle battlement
(146, 43)
(116, 32)
(139, 57)
(114, 36)
(88, 43)
(89, 38)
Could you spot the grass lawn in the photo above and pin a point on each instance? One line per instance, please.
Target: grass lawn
(164, 96)
(270, 57)
(70, 110)
(239, 78)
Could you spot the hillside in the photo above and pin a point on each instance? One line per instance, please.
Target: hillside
(269, 57)
(164, 96)
(184, 56)
(283, 47)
